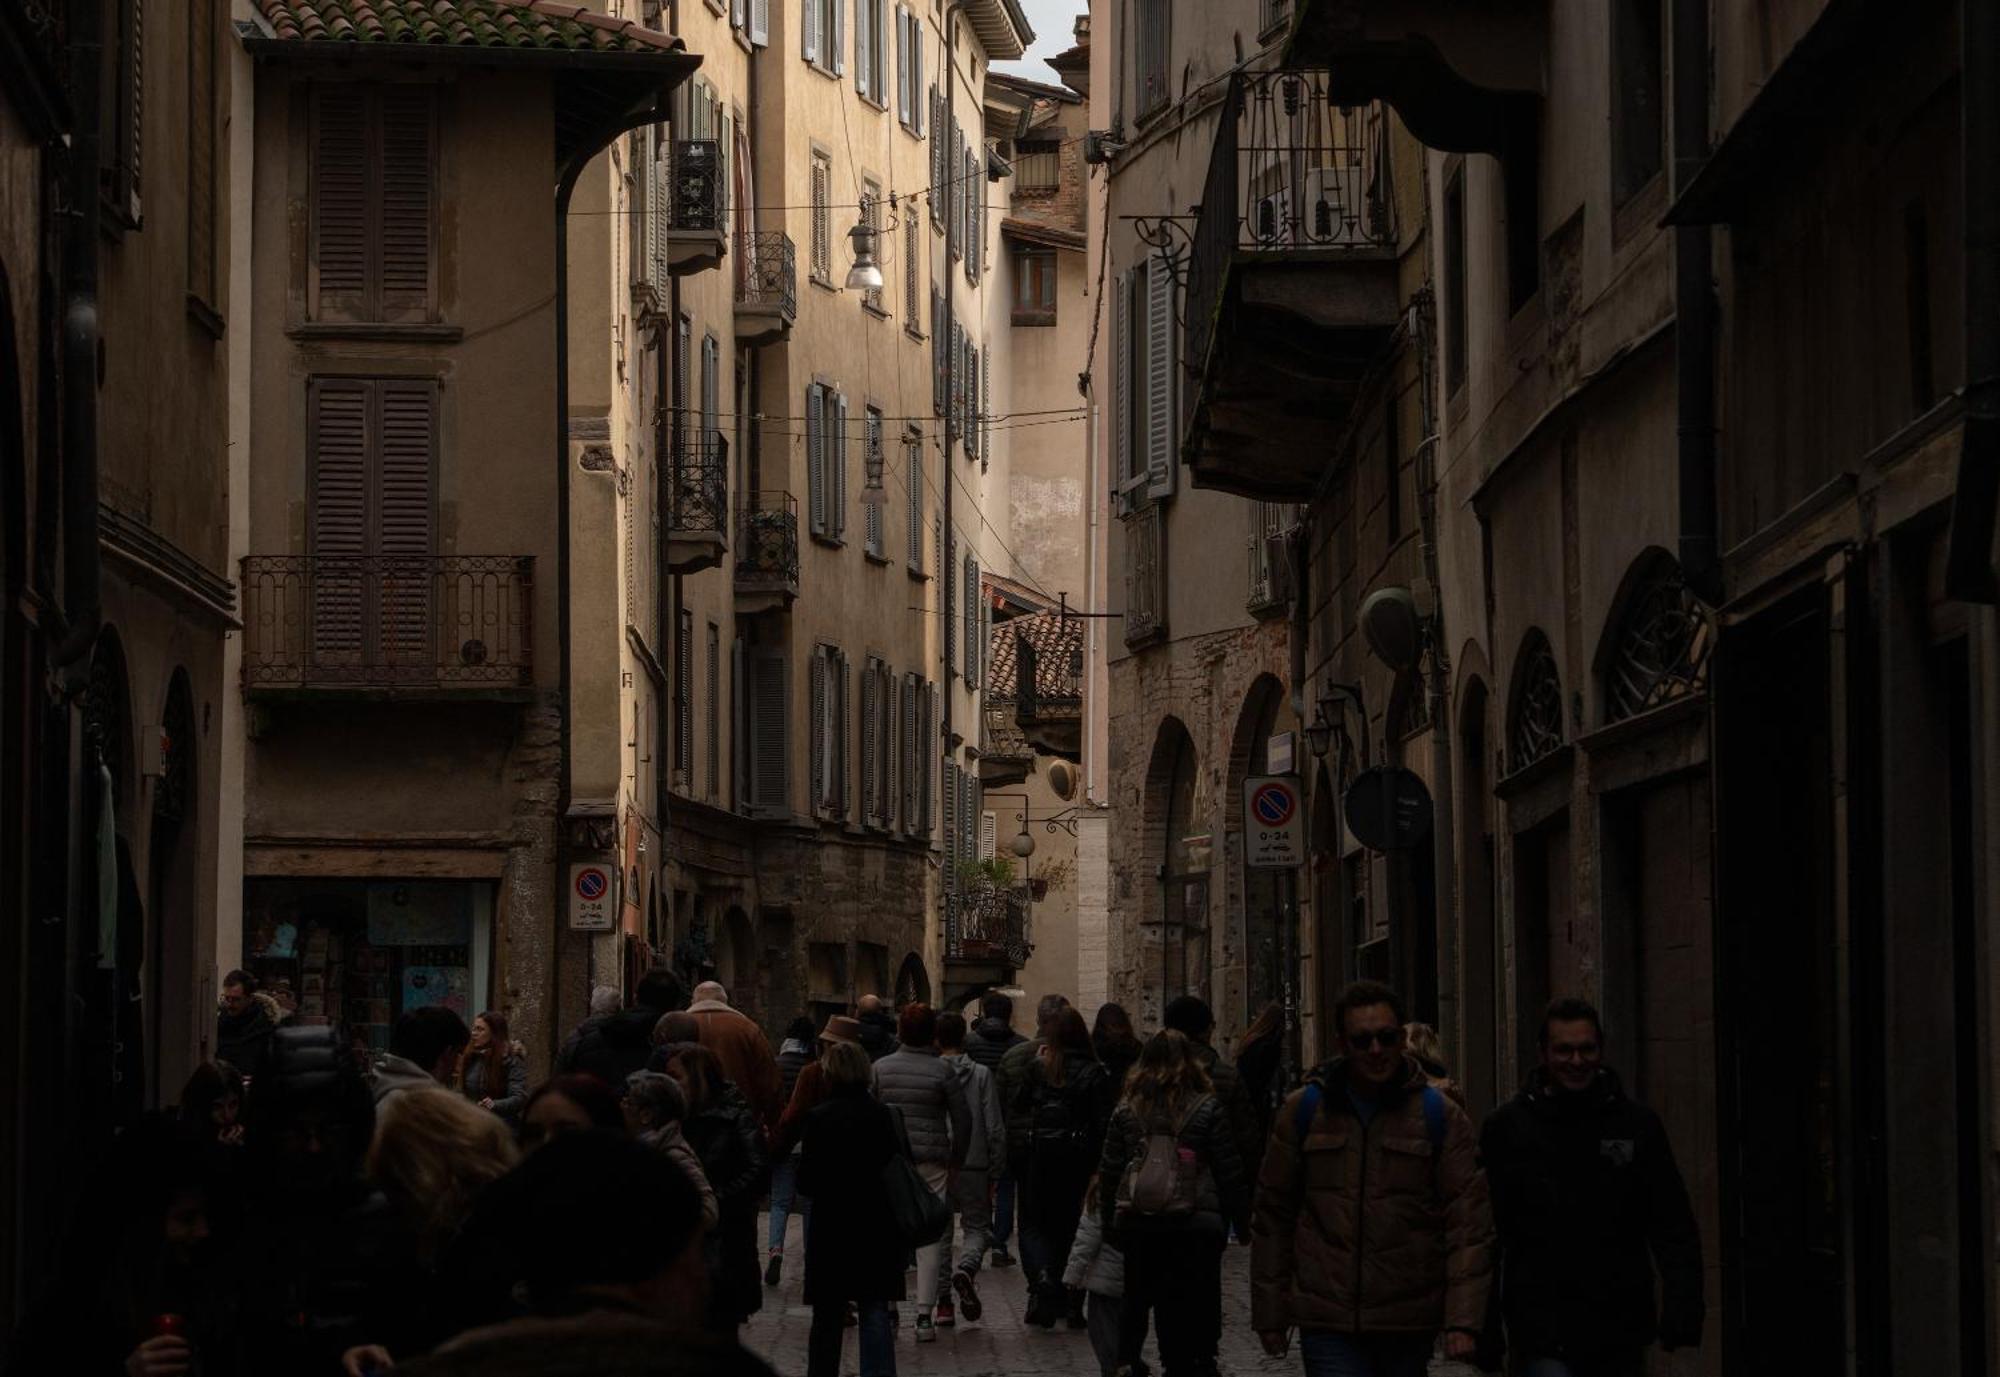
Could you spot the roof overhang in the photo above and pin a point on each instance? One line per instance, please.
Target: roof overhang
(1002, 27)
(1047, 236)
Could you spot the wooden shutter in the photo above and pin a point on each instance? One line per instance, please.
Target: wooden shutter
(339, 196)
(937, 158)
(915, 494)
(737, 17)
(989, 836)
(201, 168)
(864, 48)
(986, 407)
(337, 535)
(873, 513)
(713, 745)
(972, 366)
(843, 737)
(948, 594)
(927, 805)
(1121, 386)
(836, 519)
(972, 651)
(760, 22)
(939, 339)
(407, 191)
(816, 706)
(838, 38)
(684, 693)
(822, 231)
(810, 29)
(405, 505)
(1160, 390)
(816, 494)
(950, 827)
(903, 63)
(912, 305)
(869, 689)
(906, 755)
(770, 723)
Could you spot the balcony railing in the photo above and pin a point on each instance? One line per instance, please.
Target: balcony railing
(988, 924)
(698, 486)
(1290, 171)
(1270, 570)
(767, 277)
(1145, 576)
(767, 546)
(390, 621)
(697, 199)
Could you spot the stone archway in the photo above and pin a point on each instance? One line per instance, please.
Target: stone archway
(913, 982)
(1182, 857)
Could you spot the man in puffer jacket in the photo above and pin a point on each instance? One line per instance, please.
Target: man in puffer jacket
(613, 1047)
(985, 1158)
(1371, 1232)
(918, 1083)
(991, 1039)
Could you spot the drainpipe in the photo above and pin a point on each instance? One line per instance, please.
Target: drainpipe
(1694, 309)
(82, 601)
(946, 474)
(1969, 573)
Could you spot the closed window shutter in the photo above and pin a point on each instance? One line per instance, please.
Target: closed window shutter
(684, 691)
(737, 17)
(340, 216)
(915, 494)
(868, 689)
(948, 602)
(816, 494)
(770, 724)
(971, 596)
(844, 737)
(1121, 385)
(810, 29)
(864, 55)
(917, 109)
(989, 836)
(929, 804)
(872, 512)
(986, 407)
(760, 22)
(911, 302)
(714, 715)
(201, 169)
(822, 233)
(836, 519)
(950, 827)
(903, 63)
(405, 506)
(1160, 419)
(683, 392)
(407, 189)
(816, 704)
(940, 338)
(973, 361)
(838, 42)
(338, 517)
(937, 147)
(906, 723)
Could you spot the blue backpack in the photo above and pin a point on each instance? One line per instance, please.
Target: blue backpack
(1433, 1113)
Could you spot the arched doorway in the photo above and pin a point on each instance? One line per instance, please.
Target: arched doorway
(1182, 853)
(1264, 920)
(913, 982)
(170, 977)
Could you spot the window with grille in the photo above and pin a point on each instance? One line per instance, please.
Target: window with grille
(822, 224)
(1034, 286)
(1037, 165)
(714, 715)
(873, 542)
(373, 203)
(874, 298)
(910, 109)
(826, 462)
(823, 35)
(913, 461)
(1152, 36)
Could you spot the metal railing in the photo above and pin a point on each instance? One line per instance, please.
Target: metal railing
(767, 548)
(410, 621)
(1290, 170)
(697, 199)
(698, 486)
(988, 924)
(767, 272)
(1145, 575)
(1270, 571)
(1000, 735)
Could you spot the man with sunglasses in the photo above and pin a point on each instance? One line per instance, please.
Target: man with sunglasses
(1589, 1202)
(1371, 1233)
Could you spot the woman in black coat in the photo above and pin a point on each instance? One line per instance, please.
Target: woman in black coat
(853, 1251)
(722, 1129)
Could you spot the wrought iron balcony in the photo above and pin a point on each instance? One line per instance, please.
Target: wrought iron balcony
(767, 552)
(697, 204)
(1270, 567)
(1292, 282)
(1005, 756)
(395, 623)
(767, 290)
(987, 925)
(1145, 576)
(698, 503)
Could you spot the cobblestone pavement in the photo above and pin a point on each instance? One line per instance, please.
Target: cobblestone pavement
(1000, 1345)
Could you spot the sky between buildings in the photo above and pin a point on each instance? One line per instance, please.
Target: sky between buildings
(1054, 23)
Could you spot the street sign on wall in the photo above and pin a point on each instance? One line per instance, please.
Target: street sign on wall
(1274, 824)
(593, 897)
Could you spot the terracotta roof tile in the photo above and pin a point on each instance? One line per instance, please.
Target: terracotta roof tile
(1058, 643)
(460, 23)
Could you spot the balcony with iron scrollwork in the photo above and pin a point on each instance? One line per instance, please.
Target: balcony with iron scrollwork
(1005, 757)
(1270, 594)
(389, 625)
(697, 505)
(987, 929)
(767, 290)
(697, 205)
(1036, 676)
(1292, 293)
(767, 552)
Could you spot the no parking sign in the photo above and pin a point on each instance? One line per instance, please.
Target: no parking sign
(1274, 825)
(593, 897)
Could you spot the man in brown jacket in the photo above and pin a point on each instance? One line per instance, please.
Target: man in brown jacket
(740, 1045)
(1371, 1232)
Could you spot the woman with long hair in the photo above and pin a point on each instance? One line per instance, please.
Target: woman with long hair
(211, 1105)
(1066, 1097)
(853, 1251)
(722, 1129)
(1172, 1221)
(800, 1049)
(1116, 1044)
(492, 1069)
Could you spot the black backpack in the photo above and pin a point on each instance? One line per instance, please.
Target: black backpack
(1064, 1116)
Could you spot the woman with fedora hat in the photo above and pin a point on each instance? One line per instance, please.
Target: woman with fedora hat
(810, 1088)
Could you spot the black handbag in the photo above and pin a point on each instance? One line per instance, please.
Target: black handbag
(921, 1215)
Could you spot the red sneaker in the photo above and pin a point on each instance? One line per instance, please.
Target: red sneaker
(942, 1316)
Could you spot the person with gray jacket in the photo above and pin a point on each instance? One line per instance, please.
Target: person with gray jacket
(914, 1081)
(985, 1160)
(1097, 1268)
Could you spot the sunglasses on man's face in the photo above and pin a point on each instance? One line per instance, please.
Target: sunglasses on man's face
(1377, 1037)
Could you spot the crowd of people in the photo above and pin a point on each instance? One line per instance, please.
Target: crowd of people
(311, 1206)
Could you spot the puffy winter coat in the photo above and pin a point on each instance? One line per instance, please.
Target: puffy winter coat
(878, 1034)
(1588, 1201)
(989, 1041)
(1095, 1264)
(987, 1150)
(1374, 1228)
(1222, 1185)
(1236, 1106)
(613, 1047)
(917, 1081)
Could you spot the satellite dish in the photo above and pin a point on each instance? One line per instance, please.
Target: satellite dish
(1062, 780)
(1391, 627)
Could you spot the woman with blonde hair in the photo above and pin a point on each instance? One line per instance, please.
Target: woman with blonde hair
(1169, 1211)
(1422, 1042)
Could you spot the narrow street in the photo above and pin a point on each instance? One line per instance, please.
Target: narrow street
(1001, 1344)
